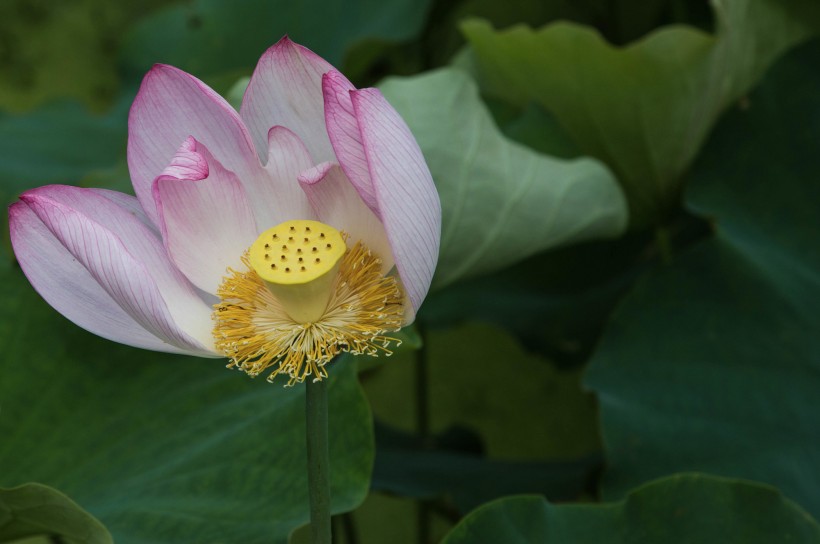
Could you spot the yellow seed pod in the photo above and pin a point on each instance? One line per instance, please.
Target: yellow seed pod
(298, 260)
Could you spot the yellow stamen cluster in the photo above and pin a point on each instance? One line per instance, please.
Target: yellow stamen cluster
(255, 331)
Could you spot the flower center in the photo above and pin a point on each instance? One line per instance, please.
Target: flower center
(296, 315)
(298, 261)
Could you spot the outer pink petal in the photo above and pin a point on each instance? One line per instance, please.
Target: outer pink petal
(128, 262)
(204, 215)
(279, 198)
(128, 203)
(343, 130)
(170, 106)
(339, 205)
(407, 198)
(286, 90)
(68, 286)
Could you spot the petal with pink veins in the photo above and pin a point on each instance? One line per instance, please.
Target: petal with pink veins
(128, 203)
(286, 90)
(407, 198)
(170, 106)
(343, 130)
(68, 286)
(92, 239)
(279, 198)
(205, 217)
(338, 204)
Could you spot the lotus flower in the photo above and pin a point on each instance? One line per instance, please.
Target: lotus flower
(303, 226)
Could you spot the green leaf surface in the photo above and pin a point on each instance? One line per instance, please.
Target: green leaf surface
(59, 143)
(501, 202)
(164, 449)
(713, 363)
(209, 37)
(680, 509)
(521, 406)
(540, 131)
(406, 466)
(555, 304)
(644, 109)
(503, 422)
(620, 21)
(38, 510)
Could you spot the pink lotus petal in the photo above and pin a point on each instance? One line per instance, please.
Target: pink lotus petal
(339, 205)
(343, 130)
(170, 106)
(68, 286)
(279, 198)
(126, 260)
(286, 90)
(204, 215)
(128, 203)
(407, 198)
(187, 163)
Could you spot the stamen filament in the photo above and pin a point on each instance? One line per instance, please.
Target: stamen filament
(256, 332)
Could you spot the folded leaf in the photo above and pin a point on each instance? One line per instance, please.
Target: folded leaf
(501, 202)
(38, 510)
(644, 109)
(679, 509)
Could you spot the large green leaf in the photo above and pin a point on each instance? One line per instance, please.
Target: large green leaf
(38, 510)
(504, 421)
(555, 303)
(208, 37)
(644, 109)
(480, 377)
(713, 363)
(681, 509)
(620, 21)
(410, 467)
(501, 202)
(59, 143)
(164, 449)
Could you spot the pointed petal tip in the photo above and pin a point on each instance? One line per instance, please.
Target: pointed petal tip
(335, 77)
(159, 66)
(284, 45)
(44, 192)
(158, 70)
(170, 105)
(24, 198)
(285, 49)
(189, 163)
(286, 89)
(315, 174)
(14, 211)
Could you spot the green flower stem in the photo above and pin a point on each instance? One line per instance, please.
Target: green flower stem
(423, 507)
(318, 461)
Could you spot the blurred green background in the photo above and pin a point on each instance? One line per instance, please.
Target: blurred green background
(627, 290)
